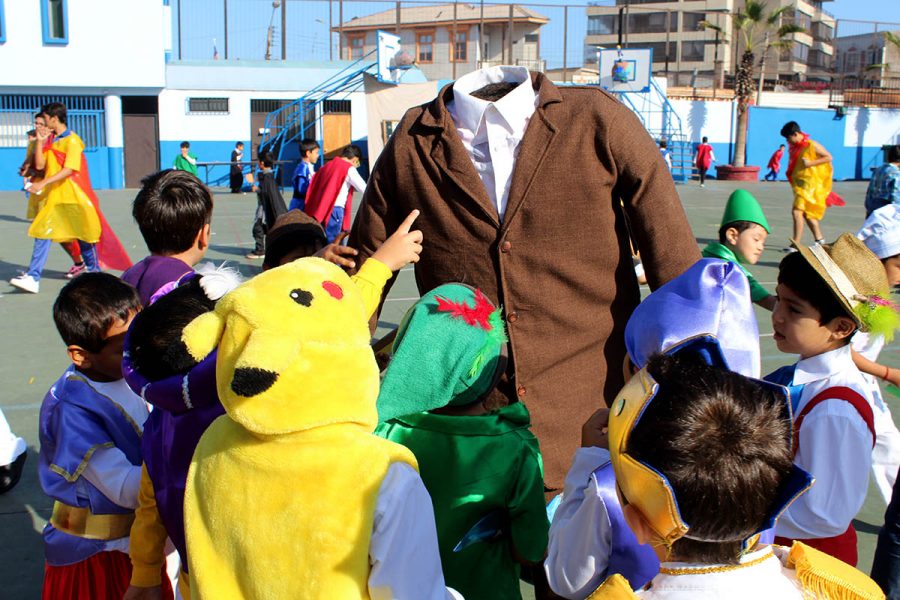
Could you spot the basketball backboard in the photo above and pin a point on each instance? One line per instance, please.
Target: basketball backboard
(625, 70)
(392, 60)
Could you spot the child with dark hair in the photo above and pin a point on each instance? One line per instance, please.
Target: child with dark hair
(90, 432)
(704, 157)
(173, 210)
(306, 168)
(70, 211)
(183, 393)
(589, 540)
(742, 238)
(329, 199)
(774, 164)
(270, 203)
(481, 464)
(884, 185)
(702, 458)
(825, 293)
(810, 174)
(186, 161)
(236, 172)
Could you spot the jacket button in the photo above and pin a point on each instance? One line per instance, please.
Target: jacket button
(521, 391)
(505, 247)
(512, 317)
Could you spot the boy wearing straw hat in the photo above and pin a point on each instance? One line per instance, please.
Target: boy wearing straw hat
(825, 293)
(742, 238)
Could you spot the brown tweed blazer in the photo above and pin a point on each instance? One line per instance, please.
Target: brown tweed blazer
(560, 262)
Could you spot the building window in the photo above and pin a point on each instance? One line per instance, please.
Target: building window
(693, 51)
(655, 22)
(425, 46)
(208, 105)
(459, 51)
(692, 21)
(800, 52)
(659, 50)
(602, 24)
(55, 22)
(2, 23)
(356, 45)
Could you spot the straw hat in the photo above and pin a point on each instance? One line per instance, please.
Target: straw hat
(854, 274)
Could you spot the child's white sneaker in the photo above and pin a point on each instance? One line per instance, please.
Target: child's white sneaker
(26, 283)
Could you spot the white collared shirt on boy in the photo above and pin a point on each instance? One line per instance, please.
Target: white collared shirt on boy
(760, 574)
(492, 131)
(835, 447)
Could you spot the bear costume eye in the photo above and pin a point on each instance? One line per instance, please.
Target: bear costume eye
(301, 297)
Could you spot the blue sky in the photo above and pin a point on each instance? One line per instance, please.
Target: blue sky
(308, 37)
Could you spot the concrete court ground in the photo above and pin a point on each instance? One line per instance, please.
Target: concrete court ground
(32, 355)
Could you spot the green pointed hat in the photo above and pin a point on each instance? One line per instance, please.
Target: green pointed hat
(449, 350)
(742, 206)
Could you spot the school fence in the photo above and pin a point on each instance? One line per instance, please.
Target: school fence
(85, 116)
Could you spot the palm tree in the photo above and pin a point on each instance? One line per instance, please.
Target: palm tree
(755, 30)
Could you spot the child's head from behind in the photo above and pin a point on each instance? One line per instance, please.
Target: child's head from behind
(266, 159)
(92, 314)
(294, 235)
(721, 440)
(173, 210)
(808, 319)
(156, 348)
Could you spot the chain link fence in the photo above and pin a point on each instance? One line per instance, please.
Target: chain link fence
(693, 47)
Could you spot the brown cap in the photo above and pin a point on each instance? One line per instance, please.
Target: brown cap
(292, 229)
(853, 273)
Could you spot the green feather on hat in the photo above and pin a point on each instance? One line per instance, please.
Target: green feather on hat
(742, 206)
(448, 351)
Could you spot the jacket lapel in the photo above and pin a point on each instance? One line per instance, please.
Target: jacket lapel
(451, 157)
(533, 149)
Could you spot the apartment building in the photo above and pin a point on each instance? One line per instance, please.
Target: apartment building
(693, 55)
(449, 40)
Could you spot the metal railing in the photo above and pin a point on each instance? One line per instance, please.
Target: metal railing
(85, 117)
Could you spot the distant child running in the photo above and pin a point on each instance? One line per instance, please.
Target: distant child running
(703, 159)
(480, 464)
(810, 173)
(90, 431)
(306, 168)
(742, 238)
(774, 164)
(329, 199)
(825, 293)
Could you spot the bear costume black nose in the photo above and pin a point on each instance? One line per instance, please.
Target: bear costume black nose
(250, 381)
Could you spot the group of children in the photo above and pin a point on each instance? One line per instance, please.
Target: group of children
(232, 439)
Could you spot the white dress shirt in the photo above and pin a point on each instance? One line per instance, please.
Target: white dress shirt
(353, 179)
(751, 580)
(492, 131)
(403, 550)
(835, 447)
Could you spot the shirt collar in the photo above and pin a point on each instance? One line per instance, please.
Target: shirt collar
(823, 365)
(516, 107)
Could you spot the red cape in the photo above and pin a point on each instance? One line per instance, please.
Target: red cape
(323, 192)
(110, 252)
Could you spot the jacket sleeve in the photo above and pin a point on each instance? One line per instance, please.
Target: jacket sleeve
(148, 538)
(644, 185)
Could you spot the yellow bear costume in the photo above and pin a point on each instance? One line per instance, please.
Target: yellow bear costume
(282, 488)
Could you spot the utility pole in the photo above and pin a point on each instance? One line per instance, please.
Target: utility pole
(284, 30)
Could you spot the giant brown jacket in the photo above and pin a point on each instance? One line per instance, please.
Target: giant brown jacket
(560, 262)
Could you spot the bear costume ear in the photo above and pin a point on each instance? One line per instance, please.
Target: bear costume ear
(201, 336)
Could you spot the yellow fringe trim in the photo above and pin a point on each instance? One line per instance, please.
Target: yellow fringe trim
(824, 576)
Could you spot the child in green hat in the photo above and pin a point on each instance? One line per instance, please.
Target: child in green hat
(482, 466)
(742, 238)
